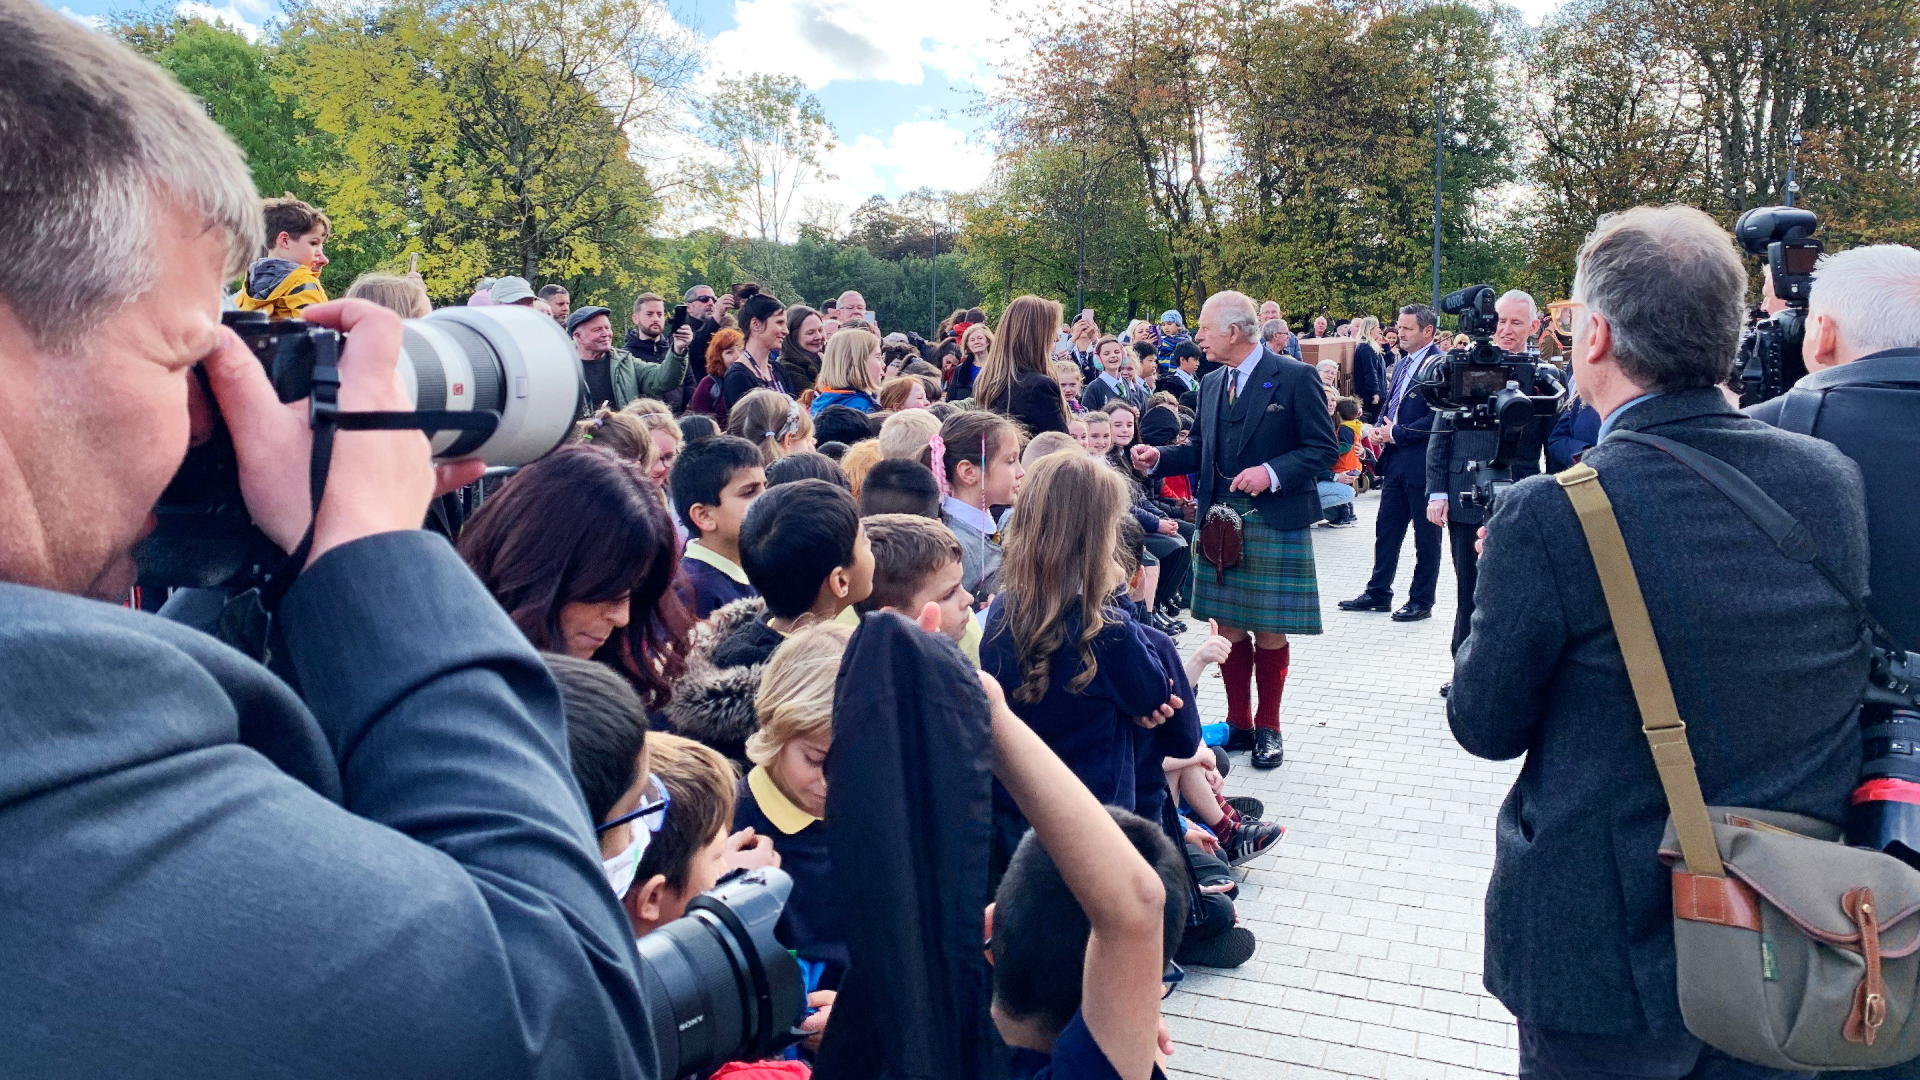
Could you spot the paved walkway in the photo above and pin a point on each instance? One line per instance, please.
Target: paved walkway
(1369, 913)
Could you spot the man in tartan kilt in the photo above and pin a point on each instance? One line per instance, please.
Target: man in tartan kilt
(1262, 435)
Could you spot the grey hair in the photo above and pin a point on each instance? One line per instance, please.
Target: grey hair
(1272, 327)
(1672, 287)
(1872, 295)
(1235, 309)
(1533, 309)
(98, 143)
(1423, 316)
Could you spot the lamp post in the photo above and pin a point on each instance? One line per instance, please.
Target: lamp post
(1439, 172)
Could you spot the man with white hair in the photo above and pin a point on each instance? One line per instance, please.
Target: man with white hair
(854, 306)
(1261, 437)
(1450, 454)
(389, 873)
(1862, 394)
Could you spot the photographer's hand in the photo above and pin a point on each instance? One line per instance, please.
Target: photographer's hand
(379, 481)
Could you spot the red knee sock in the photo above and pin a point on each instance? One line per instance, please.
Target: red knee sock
(1237, 673)
(1270, 675)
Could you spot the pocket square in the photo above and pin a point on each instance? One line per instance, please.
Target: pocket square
(1276, 408)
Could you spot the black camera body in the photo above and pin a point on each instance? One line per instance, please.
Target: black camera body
(718, 986)
(1770, 359)
(1481, 387)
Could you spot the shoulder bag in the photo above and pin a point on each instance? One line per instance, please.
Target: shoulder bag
(1794, 950)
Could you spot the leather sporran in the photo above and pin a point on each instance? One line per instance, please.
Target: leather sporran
(1221, 540)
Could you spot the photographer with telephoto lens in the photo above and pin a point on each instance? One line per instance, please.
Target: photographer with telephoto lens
(1861, 347)
(210, 876)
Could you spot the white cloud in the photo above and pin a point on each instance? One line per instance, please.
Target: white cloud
(91, 22)
(243, 16)
(916, 154)
(820, 41)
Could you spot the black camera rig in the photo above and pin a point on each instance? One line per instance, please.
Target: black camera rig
(1770, 360)
(1481, 387)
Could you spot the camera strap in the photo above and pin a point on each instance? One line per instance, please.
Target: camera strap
(1791, 537)
(326, 419)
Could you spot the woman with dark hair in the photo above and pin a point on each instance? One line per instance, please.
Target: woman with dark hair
(578, 549)
(800, 353)
(764, 323)
(1018, 377)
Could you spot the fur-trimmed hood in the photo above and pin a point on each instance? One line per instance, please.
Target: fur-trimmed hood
(713, 701)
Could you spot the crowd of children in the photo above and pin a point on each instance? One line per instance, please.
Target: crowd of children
(696, 582)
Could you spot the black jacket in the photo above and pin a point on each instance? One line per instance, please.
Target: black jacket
(1034, 400)
(1870, 409)
(909, 817)
(1406, 455)
(1449, 452)
(1172, 383)
(210, 877)
(1287, 427)
(1767, 663)
(1369, 374)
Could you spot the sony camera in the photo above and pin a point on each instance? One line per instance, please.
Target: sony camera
(718, 986)
(498, 383)
(1770, 360)
(1480, 387)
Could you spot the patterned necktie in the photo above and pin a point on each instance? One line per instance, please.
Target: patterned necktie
(1233, 387)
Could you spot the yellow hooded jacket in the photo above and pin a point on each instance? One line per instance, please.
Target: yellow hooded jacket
(281, 288)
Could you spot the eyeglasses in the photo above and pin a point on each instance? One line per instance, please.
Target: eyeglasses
(652, 813)
(1564, 314)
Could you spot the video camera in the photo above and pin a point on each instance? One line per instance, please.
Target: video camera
(1480, 387)
(1770, 360)
(718, 986)
(498, 383)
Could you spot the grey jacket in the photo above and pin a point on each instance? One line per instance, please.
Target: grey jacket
(207, 878)
(1767, 663)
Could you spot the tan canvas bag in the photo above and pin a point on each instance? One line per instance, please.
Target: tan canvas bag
(1794, 950)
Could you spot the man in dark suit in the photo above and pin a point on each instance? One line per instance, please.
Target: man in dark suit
(390, 874)
(1450, 452)
(1767, 663)
(1261, 436)
(1406, 422)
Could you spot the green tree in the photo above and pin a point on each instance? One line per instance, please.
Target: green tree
(492, 137)
(772, 138)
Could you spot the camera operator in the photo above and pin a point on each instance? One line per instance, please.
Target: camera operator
(1767, 667)
(207, 876)
(1451, 453)
(1862, 394)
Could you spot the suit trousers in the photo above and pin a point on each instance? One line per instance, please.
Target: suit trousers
(1403, 500)
(1563, 1055)
(1466, 571)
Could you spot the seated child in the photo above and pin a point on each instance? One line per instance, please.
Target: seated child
(804, 551)
(607, 747)
(895, 486)
(1099, 432)
(713, 482)
(916, 562)
(976, 461)
(1074, 666)
(1048, 442)
(1084, 926)
(287, 280)
(690, 849)
(784, 796)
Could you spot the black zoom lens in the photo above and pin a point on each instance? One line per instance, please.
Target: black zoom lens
(717, 984)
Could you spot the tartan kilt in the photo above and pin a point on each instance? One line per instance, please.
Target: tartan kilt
(1274, 590)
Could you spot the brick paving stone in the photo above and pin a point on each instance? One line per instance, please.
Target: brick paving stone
(1369, 914)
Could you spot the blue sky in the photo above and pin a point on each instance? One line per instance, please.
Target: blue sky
(896, 80)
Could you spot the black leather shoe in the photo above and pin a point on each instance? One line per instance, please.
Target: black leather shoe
(1266, 749)
(1414, 611)
(1364, 602)
(1239, 739)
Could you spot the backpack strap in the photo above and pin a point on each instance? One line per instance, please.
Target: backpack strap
(1659, 715)
(1801, 410)
(1791, 537)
